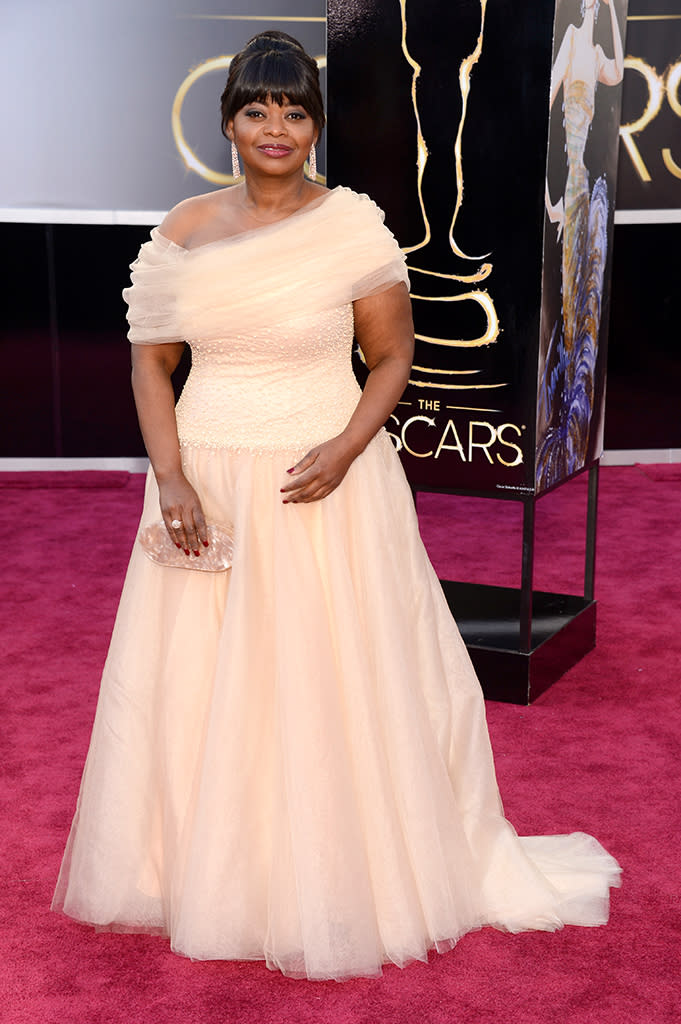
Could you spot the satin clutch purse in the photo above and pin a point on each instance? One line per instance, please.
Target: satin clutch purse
(158, 546)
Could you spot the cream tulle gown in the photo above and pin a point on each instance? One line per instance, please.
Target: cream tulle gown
(290, 760)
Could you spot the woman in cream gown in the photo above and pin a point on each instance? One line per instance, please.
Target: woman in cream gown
(290, 760)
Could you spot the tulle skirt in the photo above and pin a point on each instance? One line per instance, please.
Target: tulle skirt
(290, 760)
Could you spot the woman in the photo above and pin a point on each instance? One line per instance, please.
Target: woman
(566, 387)
(290, 760)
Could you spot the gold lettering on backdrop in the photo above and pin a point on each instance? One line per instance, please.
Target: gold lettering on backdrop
(414, 436)
(191, 161)
(658, 86)
(510, 444)
(673, 79)
(456, 447)
(405, 444)
(484, 445)
(476, 440)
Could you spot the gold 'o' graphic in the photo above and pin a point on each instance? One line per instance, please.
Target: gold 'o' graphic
(191, 160)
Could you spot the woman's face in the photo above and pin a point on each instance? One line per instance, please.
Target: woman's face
(272, 139)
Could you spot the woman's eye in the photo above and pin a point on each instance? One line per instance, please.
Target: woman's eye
(297, 115)
(253, 113)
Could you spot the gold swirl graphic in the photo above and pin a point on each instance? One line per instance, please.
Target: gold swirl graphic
(465, 70)
(190, 159)
(484, 271)
(427, 369)
(421, 148)
(252, 17)
(484, 299)
(471, 408)
(453, 387)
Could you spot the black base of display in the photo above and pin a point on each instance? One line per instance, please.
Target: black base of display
(563, 631)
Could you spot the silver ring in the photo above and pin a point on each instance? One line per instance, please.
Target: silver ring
(176, 524)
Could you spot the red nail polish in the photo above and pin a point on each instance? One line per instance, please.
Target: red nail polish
(177, 545)
(197, 553)
(205, 543)
(285, 502)
(186, 551)
(290, 470)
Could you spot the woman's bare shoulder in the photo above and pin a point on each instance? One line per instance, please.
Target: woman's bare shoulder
(189, 217)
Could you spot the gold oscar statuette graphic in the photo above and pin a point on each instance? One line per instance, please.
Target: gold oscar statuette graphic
(190, 159)
(434, 377)
(432, 427)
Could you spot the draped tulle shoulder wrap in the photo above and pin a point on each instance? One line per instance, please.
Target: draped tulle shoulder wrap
(152, 296)
(322, 257)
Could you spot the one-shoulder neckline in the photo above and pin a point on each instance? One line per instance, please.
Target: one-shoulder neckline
(307, 209)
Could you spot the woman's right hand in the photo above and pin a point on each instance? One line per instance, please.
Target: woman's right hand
(180, 503)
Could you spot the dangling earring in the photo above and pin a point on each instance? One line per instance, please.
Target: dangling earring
(236, 170)
(312, 160)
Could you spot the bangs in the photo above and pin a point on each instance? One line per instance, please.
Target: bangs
(279, 76)
(272, 76)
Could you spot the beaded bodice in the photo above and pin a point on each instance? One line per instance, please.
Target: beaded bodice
(269, 317)
(287, 386)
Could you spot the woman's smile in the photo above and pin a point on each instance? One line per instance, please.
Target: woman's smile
(275, 149)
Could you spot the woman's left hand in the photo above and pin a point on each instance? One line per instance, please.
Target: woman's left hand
(319, 472)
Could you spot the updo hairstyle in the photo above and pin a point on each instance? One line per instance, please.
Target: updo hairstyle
(273, 66)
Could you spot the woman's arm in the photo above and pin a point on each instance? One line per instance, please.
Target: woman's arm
(555, 211)
(385, 332)
(611, 72)
(561, 65)
(152, 368)
(559, 71)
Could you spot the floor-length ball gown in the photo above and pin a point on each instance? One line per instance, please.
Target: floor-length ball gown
(290, 760)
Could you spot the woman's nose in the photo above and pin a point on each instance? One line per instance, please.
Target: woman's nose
(275, 126)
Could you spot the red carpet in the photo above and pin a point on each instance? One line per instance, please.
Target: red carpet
(599, 752)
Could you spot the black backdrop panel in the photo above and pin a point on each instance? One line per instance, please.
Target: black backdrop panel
(28, 353)
(644, 361)
(63, 347)
(466, 420)
(94, 351)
